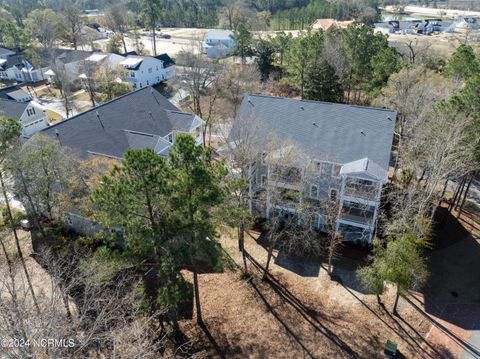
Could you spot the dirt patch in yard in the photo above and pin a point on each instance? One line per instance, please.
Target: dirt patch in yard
(291, 316)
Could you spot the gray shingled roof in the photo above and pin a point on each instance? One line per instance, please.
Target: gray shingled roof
(329, 131)
(13, 60)
(18, 95)
(4, 51)
(12, 108)
(134, 120)
(65, 56)
(139, 140)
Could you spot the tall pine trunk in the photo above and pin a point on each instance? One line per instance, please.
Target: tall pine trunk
(465, 195)
(17, 243)
(197, 295)
(395, 305)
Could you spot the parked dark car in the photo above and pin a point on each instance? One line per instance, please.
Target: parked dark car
(166, 36)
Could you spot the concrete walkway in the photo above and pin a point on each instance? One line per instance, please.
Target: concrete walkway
(455, 333)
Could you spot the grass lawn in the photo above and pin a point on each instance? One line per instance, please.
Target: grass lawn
(53, 116)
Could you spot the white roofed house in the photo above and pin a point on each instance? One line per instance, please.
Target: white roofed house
(342, 158)
(218, 43)
(146, 71)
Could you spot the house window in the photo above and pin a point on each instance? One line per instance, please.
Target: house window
(264, 156)
(33, 110)
(148, 82)
(264, 180)
(326, 169)
(132, 74)
(313, 191)
(150, 70)
(316, 166)
(333, 195)
(141, 85)
(336, 170)
(157, 68)
(321, 222)
(170, 137)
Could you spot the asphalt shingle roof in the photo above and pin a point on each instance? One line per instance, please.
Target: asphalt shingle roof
(18, 95)
(134, 120)
(167, 60)
(12, 108)
(14, 60)
(4, 51)
(324, 131)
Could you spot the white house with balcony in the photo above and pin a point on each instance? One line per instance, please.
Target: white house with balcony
(340, 159)
(144, 71)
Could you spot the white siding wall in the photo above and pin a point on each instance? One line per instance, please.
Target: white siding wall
(151, 72)
(33, 120)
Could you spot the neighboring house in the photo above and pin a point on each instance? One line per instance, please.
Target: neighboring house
(329, 24)
(218, 43)
(5, 53)
(15, 93)
(16, 68)
(98, 59)
(29, 114)
(468, 23)
(71, 61)
(343, 157)
(139, 119)
(147, 70)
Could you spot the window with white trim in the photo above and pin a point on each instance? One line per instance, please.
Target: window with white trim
(313, 191)
(264, 180)
(264, 156)
(333, 195)
(326, 169)
(336, 170)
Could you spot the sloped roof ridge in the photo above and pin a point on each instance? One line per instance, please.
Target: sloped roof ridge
(99, 106)
(322, 102)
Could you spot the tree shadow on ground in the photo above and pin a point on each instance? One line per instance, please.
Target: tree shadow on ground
(309, 315)
(350, 257)
(454, 266)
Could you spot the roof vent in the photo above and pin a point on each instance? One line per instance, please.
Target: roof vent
(302, 108)
(99, 120)
(363, 133)
(315, 124)
(251, 103)
(389, 118)
(58, 136)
